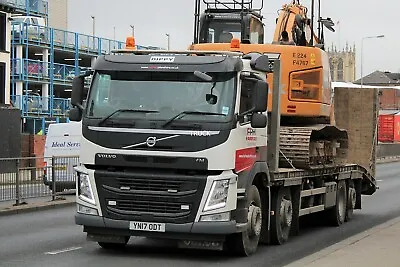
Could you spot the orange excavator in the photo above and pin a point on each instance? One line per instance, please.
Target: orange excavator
(308, 136)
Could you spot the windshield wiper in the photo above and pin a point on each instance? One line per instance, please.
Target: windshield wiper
(126, 110)
(183, 113)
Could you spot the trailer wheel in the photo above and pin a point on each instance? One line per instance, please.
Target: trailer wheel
(282, 218)
(337, 215)
(114, 246)
(246, 243)
(351, 201)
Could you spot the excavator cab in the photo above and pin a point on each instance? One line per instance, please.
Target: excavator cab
(224, 20)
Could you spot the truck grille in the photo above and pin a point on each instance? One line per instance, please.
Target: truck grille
(159, 208)
(159, 198)
(156, 184)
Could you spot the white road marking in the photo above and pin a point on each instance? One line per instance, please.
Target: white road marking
(62, 250)
(379, 180)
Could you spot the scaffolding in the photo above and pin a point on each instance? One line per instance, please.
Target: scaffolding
(29, 7)
(44, 61)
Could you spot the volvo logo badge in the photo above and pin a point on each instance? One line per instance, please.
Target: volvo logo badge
(151, 141)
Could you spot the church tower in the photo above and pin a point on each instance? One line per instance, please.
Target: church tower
(342, 63)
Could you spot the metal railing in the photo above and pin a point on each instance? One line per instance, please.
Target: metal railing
(29, 7)
(26, 178)
(47, 37)
(37, 70)
(35, 105)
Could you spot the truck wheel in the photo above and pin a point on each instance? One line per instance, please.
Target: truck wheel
(337, 215)
(351, 201)
(114, 246)
(282, 218)
(246, 243)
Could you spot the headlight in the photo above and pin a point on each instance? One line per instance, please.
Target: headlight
(86, 210)
(219, 217)
(85, 189)
(218, 195)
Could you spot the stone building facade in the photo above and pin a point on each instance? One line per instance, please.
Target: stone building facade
(342, 63)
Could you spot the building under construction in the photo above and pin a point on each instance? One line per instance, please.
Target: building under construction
(44, 57)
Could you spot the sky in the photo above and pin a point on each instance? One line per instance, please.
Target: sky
(153, 19)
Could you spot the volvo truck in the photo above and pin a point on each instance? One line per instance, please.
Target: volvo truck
(181, 145)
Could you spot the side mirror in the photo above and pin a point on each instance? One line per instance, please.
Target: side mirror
(261, 64)
(260, 96)
(77, 91)
(259, 120)
(75, 114)
(258, 61)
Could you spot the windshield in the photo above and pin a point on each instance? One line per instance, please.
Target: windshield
(164, 94)
(223, 31)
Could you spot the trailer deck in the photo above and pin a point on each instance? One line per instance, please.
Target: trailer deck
(291, 176)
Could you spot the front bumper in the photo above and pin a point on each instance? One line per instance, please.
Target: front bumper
(197, 230)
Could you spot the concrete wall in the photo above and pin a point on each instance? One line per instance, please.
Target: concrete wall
(388, 150)
(5, 58)
(356, 110)
(58, 14)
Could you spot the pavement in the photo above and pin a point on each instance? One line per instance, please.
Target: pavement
(378, 246)
(35, 204)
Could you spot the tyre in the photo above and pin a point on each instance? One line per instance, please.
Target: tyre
(351, 201)
(337, 215)
(114, 246)
(281, 221)
(246, 243)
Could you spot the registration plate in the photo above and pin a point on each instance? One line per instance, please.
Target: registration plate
(147, 226)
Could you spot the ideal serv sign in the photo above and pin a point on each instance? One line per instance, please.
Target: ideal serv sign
(57, 144)
(63, 139)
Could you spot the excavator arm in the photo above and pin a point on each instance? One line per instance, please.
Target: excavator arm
(294, 20)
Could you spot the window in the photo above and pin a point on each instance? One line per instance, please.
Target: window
(332, 69)
(246, 98)
(305, 85)
(340, 71)
(2, 82)
(256, 31)
(224, 32)
(3, 31)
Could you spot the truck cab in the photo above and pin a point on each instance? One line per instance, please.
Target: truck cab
(169, 141)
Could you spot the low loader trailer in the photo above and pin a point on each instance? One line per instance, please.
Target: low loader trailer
(180, 145)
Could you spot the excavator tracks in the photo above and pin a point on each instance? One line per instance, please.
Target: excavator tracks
(312, 147)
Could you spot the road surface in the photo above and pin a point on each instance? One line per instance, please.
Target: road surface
(50, 238)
